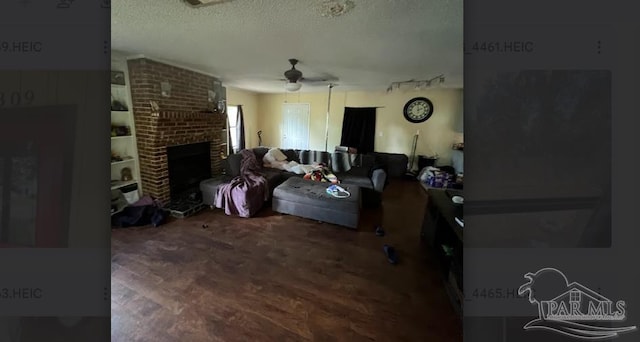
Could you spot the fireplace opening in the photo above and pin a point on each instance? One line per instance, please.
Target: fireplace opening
(188, 166)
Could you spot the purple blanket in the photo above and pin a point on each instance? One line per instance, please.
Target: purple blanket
(244, 195)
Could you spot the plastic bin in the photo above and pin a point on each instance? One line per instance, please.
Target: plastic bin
(130, 193)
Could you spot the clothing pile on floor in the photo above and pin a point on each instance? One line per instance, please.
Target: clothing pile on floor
(145, 211)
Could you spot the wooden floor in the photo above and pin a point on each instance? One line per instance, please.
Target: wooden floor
(280, 278)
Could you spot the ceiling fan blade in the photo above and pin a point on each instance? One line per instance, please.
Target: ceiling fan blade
(318, 79)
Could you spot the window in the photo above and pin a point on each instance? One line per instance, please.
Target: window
(574, 296)
(232, 115)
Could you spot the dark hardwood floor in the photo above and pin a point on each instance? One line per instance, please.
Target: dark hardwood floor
(280, 278)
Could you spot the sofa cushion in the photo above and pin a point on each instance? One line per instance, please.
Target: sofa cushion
(363, 182)
(394, 163)
(342, 161)
(309, 199)
(311, 157)
(306, 192)
(292, 155)
(277, 154)
(209, 188)
(274, 176)
(260, 152)
(224, 164)
(366, 161)
(234, 161)
(358, 172)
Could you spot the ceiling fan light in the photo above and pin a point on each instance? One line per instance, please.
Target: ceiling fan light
(293, 86)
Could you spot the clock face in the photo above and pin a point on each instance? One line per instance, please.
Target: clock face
(418, 109)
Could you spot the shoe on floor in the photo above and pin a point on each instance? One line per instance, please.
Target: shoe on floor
(379, 231)
(390, 252)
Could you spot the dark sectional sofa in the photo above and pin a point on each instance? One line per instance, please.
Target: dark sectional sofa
(368, 171)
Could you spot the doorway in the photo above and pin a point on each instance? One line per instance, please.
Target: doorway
(295, 126)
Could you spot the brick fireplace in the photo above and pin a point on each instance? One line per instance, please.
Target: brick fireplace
(182, 118)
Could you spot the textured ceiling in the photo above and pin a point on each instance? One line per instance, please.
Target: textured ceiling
(247, 42)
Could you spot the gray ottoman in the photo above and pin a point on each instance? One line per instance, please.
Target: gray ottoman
(309, 199)
(209, 188)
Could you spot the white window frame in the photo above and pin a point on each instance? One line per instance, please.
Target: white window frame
(231, 130)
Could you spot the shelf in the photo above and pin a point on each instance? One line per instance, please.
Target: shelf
(121, 184)
(120, 111)
(122, 161)
(121, 204)
(122, 137)
(121, 86)
(118, 211)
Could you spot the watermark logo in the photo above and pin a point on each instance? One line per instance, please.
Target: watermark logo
(571, 308)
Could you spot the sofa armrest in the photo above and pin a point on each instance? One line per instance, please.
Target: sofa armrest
(379, 179)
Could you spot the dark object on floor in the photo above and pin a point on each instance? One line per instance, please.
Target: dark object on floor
(390, 252)
(379, 231)
(410, 176)
(133, 216)
(204, 226)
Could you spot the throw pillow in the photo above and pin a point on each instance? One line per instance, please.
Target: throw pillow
(341, 161)
(268, 159)
(277, 154)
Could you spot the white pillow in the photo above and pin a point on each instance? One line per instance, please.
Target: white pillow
(277, 154)
(268, 159)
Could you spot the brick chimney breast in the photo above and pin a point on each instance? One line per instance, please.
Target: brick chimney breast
(180, 119)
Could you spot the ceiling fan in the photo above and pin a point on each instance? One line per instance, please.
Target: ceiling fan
(295, 78)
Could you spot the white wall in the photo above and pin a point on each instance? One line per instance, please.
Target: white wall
(393, 133)
(249, 102)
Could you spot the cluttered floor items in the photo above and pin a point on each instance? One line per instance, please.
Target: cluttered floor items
(145, 211)
(441, 177)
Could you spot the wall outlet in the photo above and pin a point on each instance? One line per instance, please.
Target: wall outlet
(380, 134)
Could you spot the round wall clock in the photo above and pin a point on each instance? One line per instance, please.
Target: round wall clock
(418, 109)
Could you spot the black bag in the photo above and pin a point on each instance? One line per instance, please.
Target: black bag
(158, 217)
(139, 216)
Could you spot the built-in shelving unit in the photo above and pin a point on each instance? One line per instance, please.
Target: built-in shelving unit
(124, 152)
(120, 184)
(443, 236)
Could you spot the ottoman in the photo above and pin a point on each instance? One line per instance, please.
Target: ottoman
(209, 188)
(309, 199)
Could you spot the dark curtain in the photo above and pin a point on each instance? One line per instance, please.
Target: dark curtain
(359, 128)
(240, 129)
(229, 141)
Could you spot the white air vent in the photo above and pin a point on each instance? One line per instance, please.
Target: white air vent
(200, 3)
